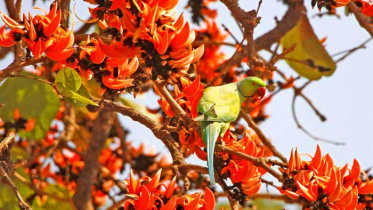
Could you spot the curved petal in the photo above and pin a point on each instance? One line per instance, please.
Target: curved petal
(209, 199)
(59, 56)
(53, 26)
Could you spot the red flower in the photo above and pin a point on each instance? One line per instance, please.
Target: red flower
(321, 183)
(42, 33)
(151, 193)
(239, 170)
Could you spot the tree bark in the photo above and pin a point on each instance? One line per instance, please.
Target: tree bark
(101, 128)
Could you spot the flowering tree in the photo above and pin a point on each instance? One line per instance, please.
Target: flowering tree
(63, 145)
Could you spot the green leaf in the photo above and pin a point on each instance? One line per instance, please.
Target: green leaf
(69, 78)
(82, 99)
(34, 100)
(83, 91)
(76, 98)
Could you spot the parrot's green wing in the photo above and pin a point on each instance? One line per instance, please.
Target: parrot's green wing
(220, 103)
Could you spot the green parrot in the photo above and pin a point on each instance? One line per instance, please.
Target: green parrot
(221, 105)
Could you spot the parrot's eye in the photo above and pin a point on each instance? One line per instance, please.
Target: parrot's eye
(254, 84)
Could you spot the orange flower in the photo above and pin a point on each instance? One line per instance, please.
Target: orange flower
(187, 98)
(118, 75)
(42, 33)
(323, 184)
(239, 170)
(151, 193)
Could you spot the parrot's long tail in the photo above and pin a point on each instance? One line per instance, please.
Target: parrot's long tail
(210, 134)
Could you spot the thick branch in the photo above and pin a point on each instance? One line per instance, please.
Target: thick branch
(101, 128)
(247, 20)
(64, 5)
(260, 162)
(363, 20)
(11, 8)
(159, 130)
(289, 20)
(262, 137)
(7, 140)
(7, 72)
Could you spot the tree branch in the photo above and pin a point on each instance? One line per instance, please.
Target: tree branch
(64, 5)
(159, 130)
(363, 20)
(262, 137)
(289, 20)
(260, 162)
(101, 128)
(37, 190)
(5, 146)
(174, 105)
(6, 180)
(7, 72)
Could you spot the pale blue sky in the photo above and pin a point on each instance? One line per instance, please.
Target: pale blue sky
(345, 98)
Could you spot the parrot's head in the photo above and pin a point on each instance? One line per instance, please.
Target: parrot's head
(252, 86)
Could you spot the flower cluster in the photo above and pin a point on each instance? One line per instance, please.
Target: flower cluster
(241, 171)
(151, 193)
(150, 31)
(213, 56)
(141, 33)
(42, 33)
(322, 185)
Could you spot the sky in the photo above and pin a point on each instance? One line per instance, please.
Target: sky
(345, 98)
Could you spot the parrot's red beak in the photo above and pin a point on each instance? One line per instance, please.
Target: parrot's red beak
(261, 92)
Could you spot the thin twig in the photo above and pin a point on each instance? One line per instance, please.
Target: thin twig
(277, 197)
(6, 180)
(270, 183)
(84, 28)
(159, 130)
(212, 43)
(260, 162)
(230, 33)
(119, 203)
(39, 191)
(228, 64)
(350, 51)
(305, 130)
(30, 77)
